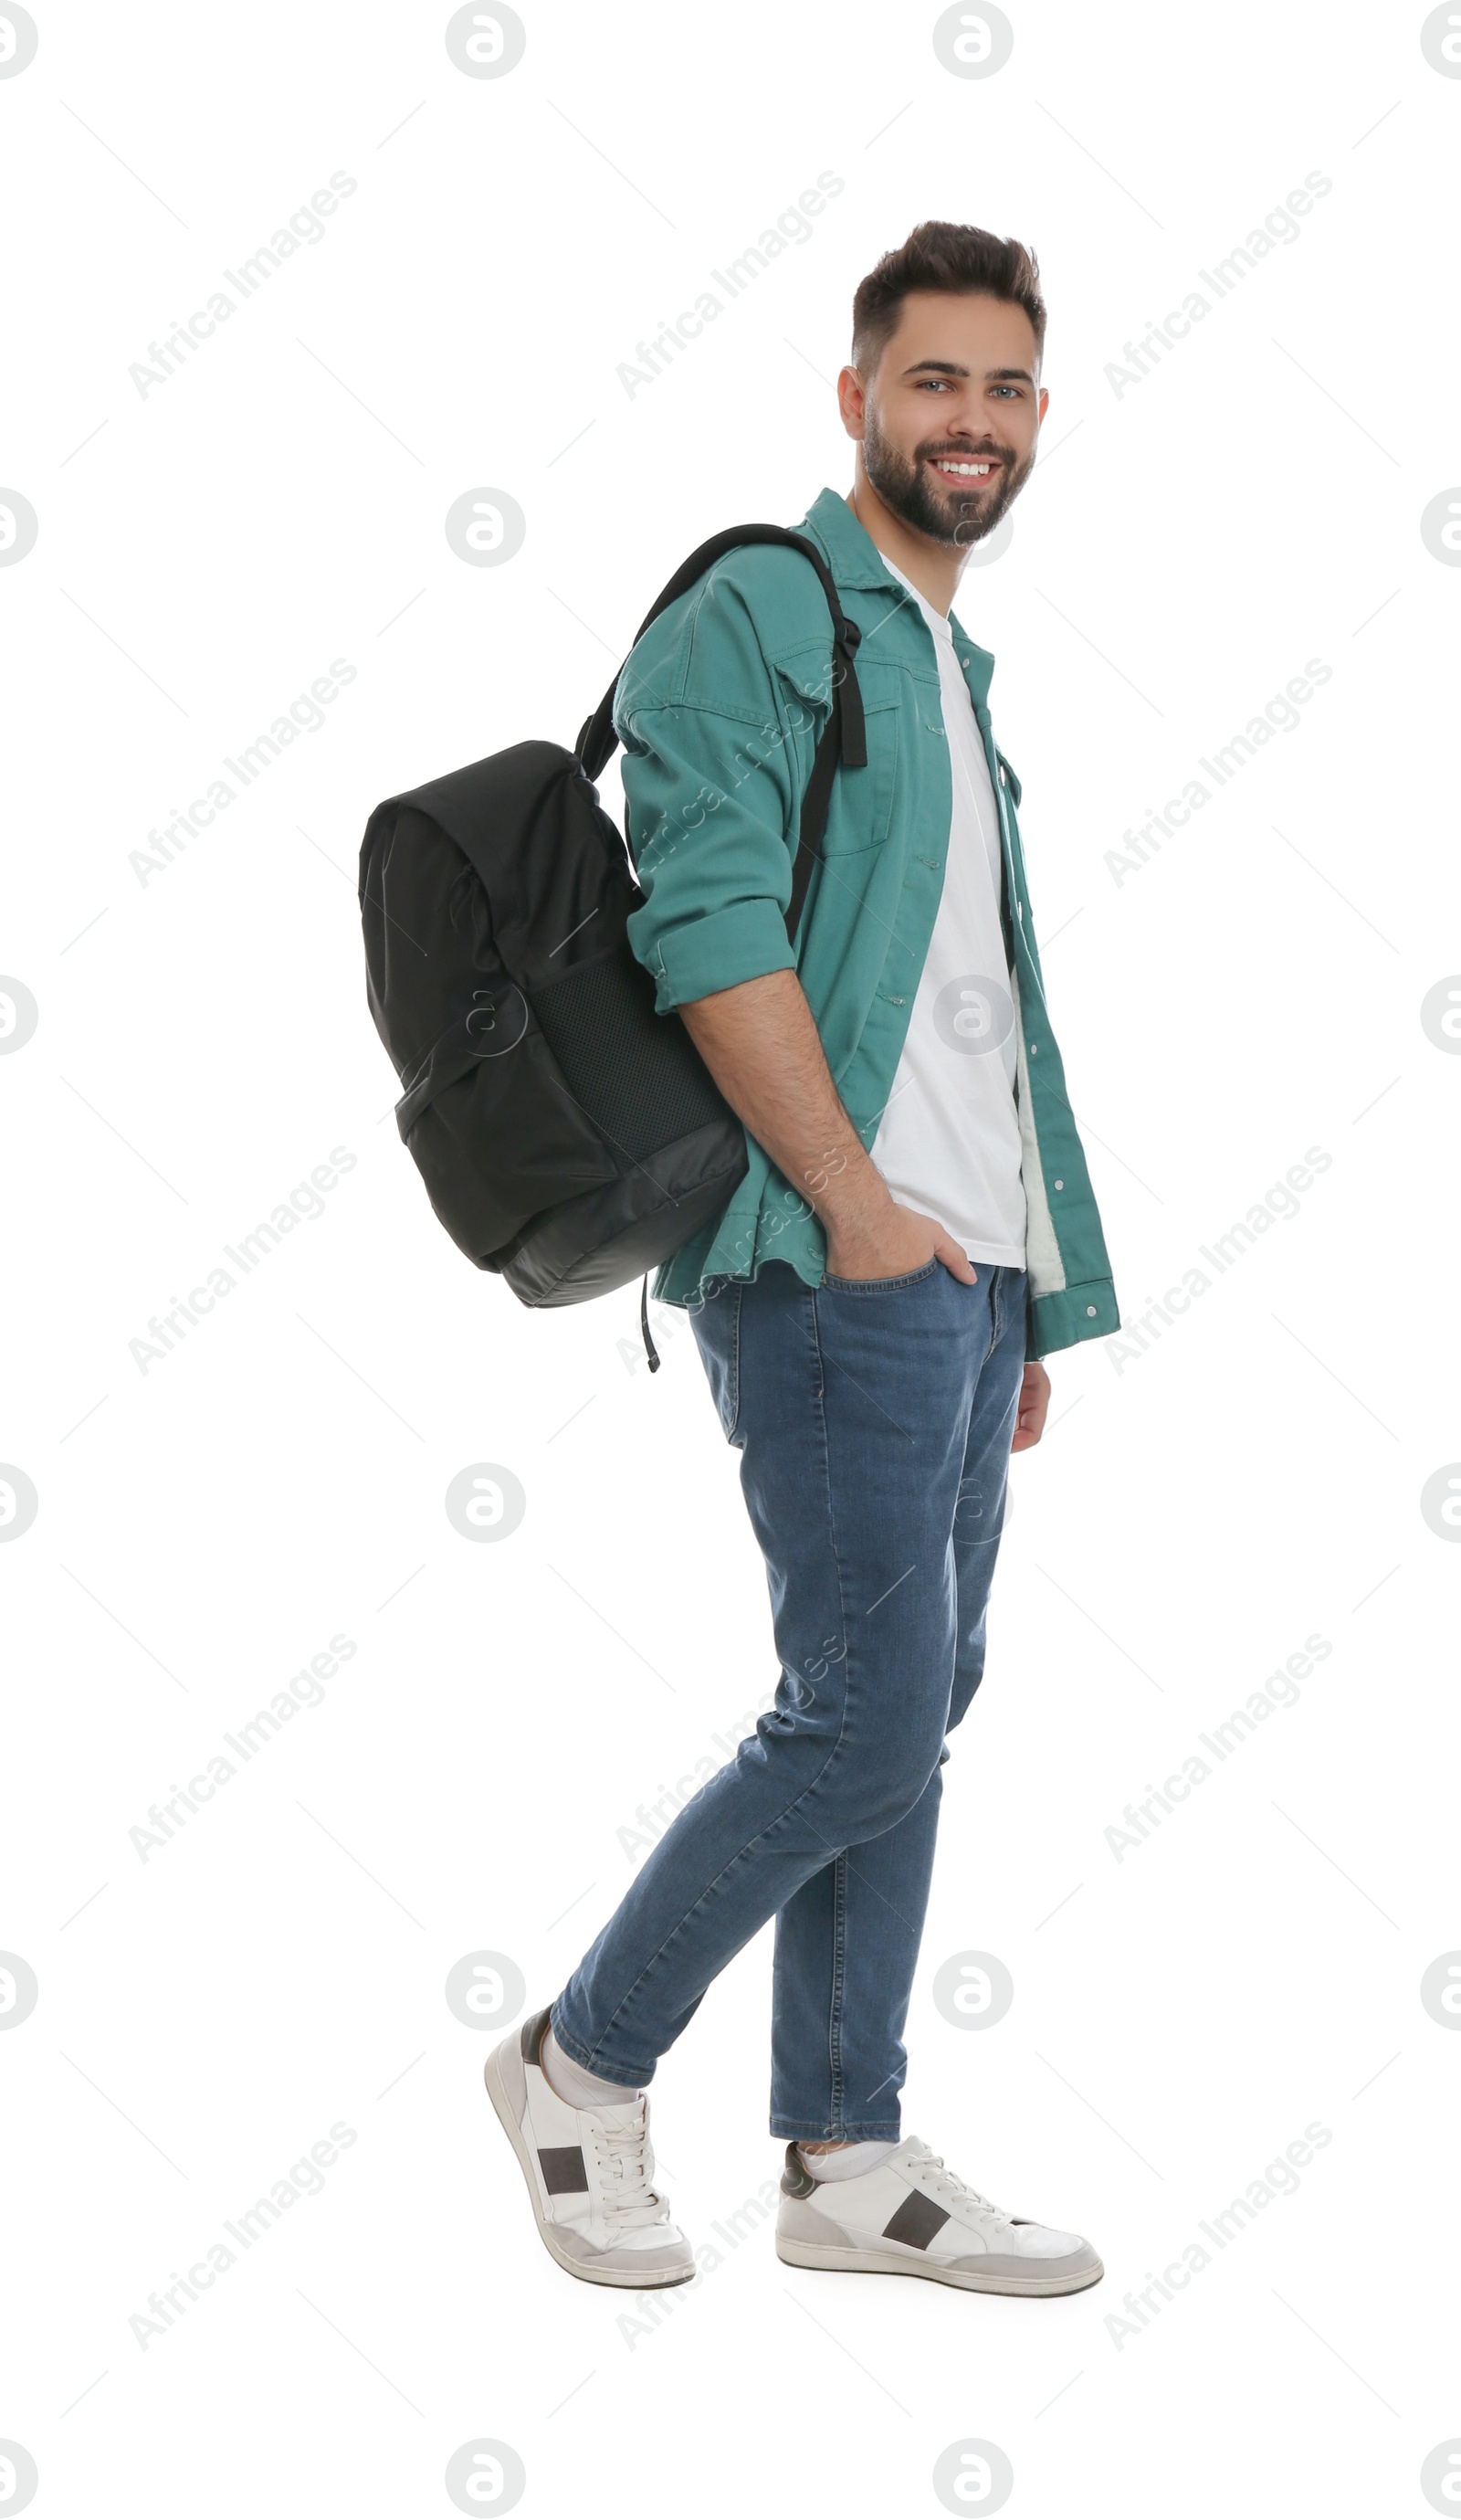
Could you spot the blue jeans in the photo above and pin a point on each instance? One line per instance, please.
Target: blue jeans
(873, 1418)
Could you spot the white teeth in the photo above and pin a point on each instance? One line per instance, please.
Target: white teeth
(978, 469)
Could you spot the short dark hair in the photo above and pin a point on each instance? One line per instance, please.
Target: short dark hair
(956, 261)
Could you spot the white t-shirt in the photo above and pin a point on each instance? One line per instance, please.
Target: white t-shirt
(948, 1139)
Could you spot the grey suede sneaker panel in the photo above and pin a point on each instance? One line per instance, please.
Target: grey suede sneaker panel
(797, 2220)
(577, 2245)
(991, 2263)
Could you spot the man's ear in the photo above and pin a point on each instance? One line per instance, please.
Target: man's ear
(852, 401)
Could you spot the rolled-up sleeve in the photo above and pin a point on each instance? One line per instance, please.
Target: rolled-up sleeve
(710, 799)
(718, 745)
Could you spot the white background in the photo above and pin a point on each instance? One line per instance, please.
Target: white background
(1195, 1511)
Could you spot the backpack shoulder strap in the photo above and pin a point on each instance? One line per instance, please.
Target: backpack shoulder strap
(596, 741)
(844, 739)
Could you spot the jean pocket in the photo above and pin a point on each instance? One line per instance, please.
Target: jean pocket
(880, 1286)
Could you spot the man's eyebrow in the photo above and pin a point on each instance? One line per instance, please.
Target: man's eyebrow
(952, 368)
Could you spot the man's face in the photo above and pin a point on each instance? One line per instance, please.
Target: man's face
(950, 419)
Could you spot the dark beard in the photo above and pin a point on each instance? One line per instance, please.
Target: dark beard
(951, 515)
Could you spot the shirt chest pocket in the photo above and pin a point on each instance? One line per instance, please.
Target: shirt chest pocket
(860, 813)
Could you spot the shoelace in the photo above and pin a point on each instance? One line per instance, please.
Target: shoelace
(622, 2154)
(931, 2165)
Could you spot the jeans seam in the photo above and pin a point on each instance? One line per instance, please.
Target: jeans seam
(570, 2049)
(996, 1311)
(591, 2062)
(839, 1981)
(885, 1285)
(735, 1365)
(808, 1789)
(878, 2131)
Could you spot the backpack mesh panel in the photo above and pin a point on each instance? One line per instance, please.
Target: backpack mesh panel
(637, 1074)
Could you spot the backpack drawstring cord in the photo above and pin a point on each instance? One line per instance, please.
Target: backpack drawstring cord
(650, 1350)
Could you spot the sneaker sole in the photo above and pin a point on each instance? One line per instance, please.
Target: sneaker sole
(872, 2262)
(621, 2277)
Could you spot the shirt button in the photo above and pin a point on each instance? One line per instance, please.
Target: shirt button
(1091, 1312)
(1060, 1184)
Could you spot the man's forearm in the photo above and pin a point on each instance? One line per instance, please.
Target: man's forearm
(760, 1042)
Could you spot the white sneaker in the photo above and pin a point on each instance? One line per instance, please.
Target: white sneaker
(588, 2172)
(912, 2217)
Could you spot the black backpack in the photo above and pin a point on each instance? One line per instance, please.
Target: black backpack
(569, 1137)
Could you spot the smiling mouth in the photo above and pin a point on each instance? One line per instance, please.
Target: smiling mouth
(958, 468)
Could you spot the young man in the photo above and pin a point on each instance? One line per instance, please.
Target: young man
(915, 1229)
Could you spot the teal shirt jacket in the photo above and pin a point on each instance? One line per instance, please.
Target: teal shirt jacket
(718, 709)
